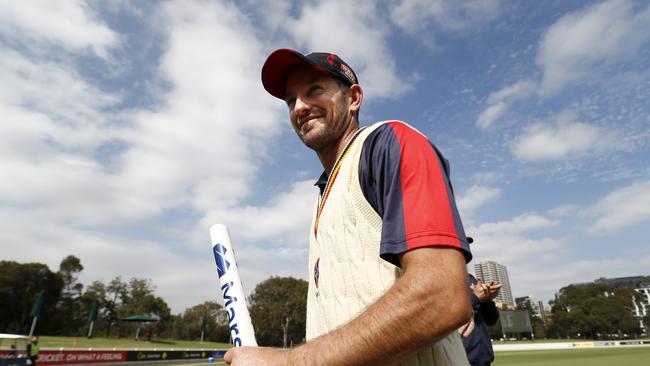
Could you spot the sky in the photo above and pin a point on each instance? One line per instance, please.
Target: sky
(128, 128)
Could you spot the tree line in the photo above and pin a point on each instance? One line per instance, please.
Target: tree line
(596, 311)
(277, 306)
(592, 311)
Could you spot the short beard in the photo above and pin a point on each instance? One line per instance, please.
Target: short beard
(329, 135)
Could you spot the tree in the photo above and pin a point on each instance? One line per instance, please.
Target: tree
(69, 269)
(278, 309)
(594, 311)
(69, 315)
(95, 292)
(140, 299)
(188, 325)
(20, 285)
(117, 290)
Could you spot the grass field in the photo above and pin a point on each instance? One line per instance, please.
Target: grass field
(627, 356)
(632, 356)
(82, 342)
(624, 356)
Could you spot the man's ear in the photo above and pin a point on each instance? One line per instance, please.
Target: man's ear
(355, 96)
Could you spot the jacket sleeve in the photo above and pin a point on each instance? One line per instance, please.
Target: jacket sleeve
(489, 312)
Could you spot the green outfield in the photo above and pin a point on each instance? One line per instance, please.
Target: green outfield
(628, 356)
(82, 342)
(606, 356)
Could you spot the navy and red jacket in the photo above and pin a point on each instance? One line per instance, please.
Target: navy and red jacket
(406, 180)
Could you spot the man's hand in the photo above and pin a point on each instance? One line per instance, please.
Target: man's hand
(256, 356)
(467, 328)
(486, 292)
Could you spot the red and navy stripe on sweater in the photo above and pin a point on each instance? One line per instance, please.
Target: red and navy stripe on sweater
(406, 180)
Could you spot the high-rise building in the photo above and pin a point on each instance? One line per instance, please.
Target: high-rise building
(542, 311)
(493, 271)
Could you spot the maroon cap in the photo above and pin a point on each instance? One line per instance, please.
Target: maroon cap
(281, 61)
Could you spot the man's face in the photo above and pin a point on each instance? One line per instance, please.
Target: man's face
(318, 108)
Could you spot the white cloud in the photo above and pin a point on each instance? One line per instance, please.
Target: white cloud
(513, 243)
(286, 218)
(575, 45)
(525, 274)
(491, 114)
(524, 246)
(357, 23)
(54, 122)
(204, 144)
(54, 89)
(519, 90)
(414, 16)
(199, 148)
(563, 211)
(621, 208)
(273, 14)
(517, 225)
(69, 24)
(476, 196)
(499, 102)
(181, 279)
(565, 139)
(486, 177)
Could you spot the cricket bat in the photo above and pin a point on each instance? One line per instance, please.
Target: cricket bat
(234, 300)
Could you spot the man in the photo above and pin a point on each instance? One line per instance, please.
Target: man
(387, 248)
(32, 351)
(477, 339)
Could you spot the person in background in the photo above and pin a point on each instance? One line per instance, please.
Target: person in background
(32, 351)
(475, 334)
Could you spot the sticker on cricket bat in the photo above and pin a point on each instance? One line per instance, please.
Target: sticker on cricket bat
(239, 320)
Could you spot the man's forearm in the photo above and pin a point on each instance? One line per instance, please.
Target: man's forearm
(428, 302)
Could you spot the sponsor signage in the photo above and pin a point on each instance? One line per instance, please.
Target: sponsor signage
(71, 357)
(148, 355)
(78, 357)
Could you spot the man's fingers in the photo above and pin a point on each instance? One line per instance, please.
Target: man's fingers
(227, 358)
(467, 328)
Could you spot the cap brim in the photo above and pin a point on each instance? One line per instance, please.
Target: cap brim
(276, 68)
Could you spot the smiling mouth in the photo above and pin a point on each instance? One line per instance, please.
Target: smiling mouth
(307, 119)
(305, 124)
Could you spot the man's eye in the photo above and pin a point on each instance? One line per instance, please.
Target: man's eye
(314, 89)
(290, 102)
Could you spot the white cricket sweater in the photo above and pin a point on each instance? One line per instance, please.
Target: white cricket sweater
(347, 274)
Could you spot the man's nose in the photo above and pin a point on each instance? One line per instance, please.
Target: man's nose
(301, 108)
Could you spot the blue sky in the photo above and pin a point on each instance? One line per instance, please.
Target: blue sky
(128, 128)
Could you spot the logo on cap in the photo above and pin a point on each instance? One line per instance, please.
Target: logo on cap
(347, 71)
